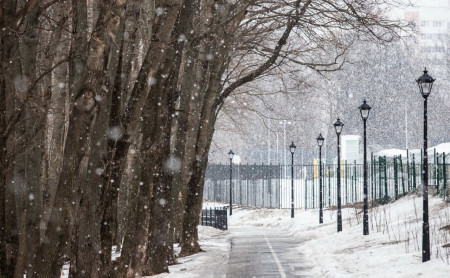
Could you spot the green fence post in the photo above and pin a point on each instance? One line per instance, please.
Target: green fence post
(379, 176)
(403, 176)
(352, 188)
(306, 193)
(354, 182)
(437, 175)
(395, 178)
(329, 186)
(371, 178)
(386, 194)
(414, 171)
(313, 192)
(407, 170)
(346, 181)
(444, 175)
(434, 169)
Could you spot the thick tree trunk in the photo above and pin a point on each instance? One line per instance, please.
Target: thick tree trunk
(57, 116)
(102, 209)
(50, 254)
(92, 81)
(179, 125)
(160, 250)
(160, 38)
(138, 204)
(28, 165)
(201, 124)
(136, 240)
(8, 220)
(196, 82)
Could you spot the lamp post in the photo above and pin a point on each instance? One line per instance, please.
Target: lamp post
(292, 148)
(425, 83)
(230, 155)
(320, 140)
(338, 125)
(365, 109)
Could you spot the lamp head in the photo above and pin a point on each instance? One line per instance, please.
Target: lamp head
(320, 140)
(338, 125)
(231, 154)
(364, 109)
(292, 147)
(425, 83)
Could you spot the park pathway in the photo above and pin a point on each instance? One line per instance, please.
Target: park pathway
(257, 252)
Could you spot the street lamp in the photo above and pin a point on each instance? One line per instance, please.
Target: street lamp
(365, 109)
(338, 125)
(292, 148)
(425, 83)
(320, 140)
(230, 155)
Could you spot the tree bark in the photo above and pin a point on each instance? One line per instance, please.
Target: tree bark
(81, 122)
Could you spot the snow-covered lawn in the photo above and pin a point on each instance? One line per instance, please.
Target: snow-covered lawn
(393, 248)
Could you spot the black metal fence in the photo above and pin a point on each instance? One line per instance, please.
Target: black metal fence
(216, 218)
(270, 185)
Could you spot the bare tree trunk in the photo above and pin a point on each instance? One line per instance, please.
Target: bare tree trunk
(160, 250)
(28, 131)
(202, 120)
(136, 241)
(82, 120)
(179, 125)
(162, 30)
(8, 220)
(9, 240)
(57, 116)
(90, 235)
(195, 83)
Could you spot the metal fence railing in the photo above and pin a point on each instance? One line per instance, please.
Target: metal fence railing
(270, 185)
(216, 218)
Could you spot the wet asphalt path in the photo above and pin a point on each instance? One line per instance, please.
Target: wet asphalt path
(264, 253)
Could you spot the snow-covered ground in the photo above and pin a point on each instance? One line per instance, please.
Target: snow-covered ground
(393, 248)
(441, 148)
(211, 263)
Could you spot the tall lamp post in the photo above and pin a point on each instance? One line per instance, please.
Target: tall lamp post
(230, 155)
(292, 148)
(338, 125)
(425, 83)
(365, 109)
(320, 140)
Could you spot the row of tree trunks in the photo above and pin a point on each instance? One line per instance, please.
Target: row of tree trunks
(147, 91)
(90, 104)
(108, 116)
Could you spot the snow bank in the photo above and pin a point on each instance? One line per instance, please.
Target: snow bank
(211, 263)
(391, 153)
(393, 248)
(441, 148)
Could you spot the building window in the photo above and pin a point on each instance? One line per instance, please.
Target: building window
(424, 23)
(437, 23)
